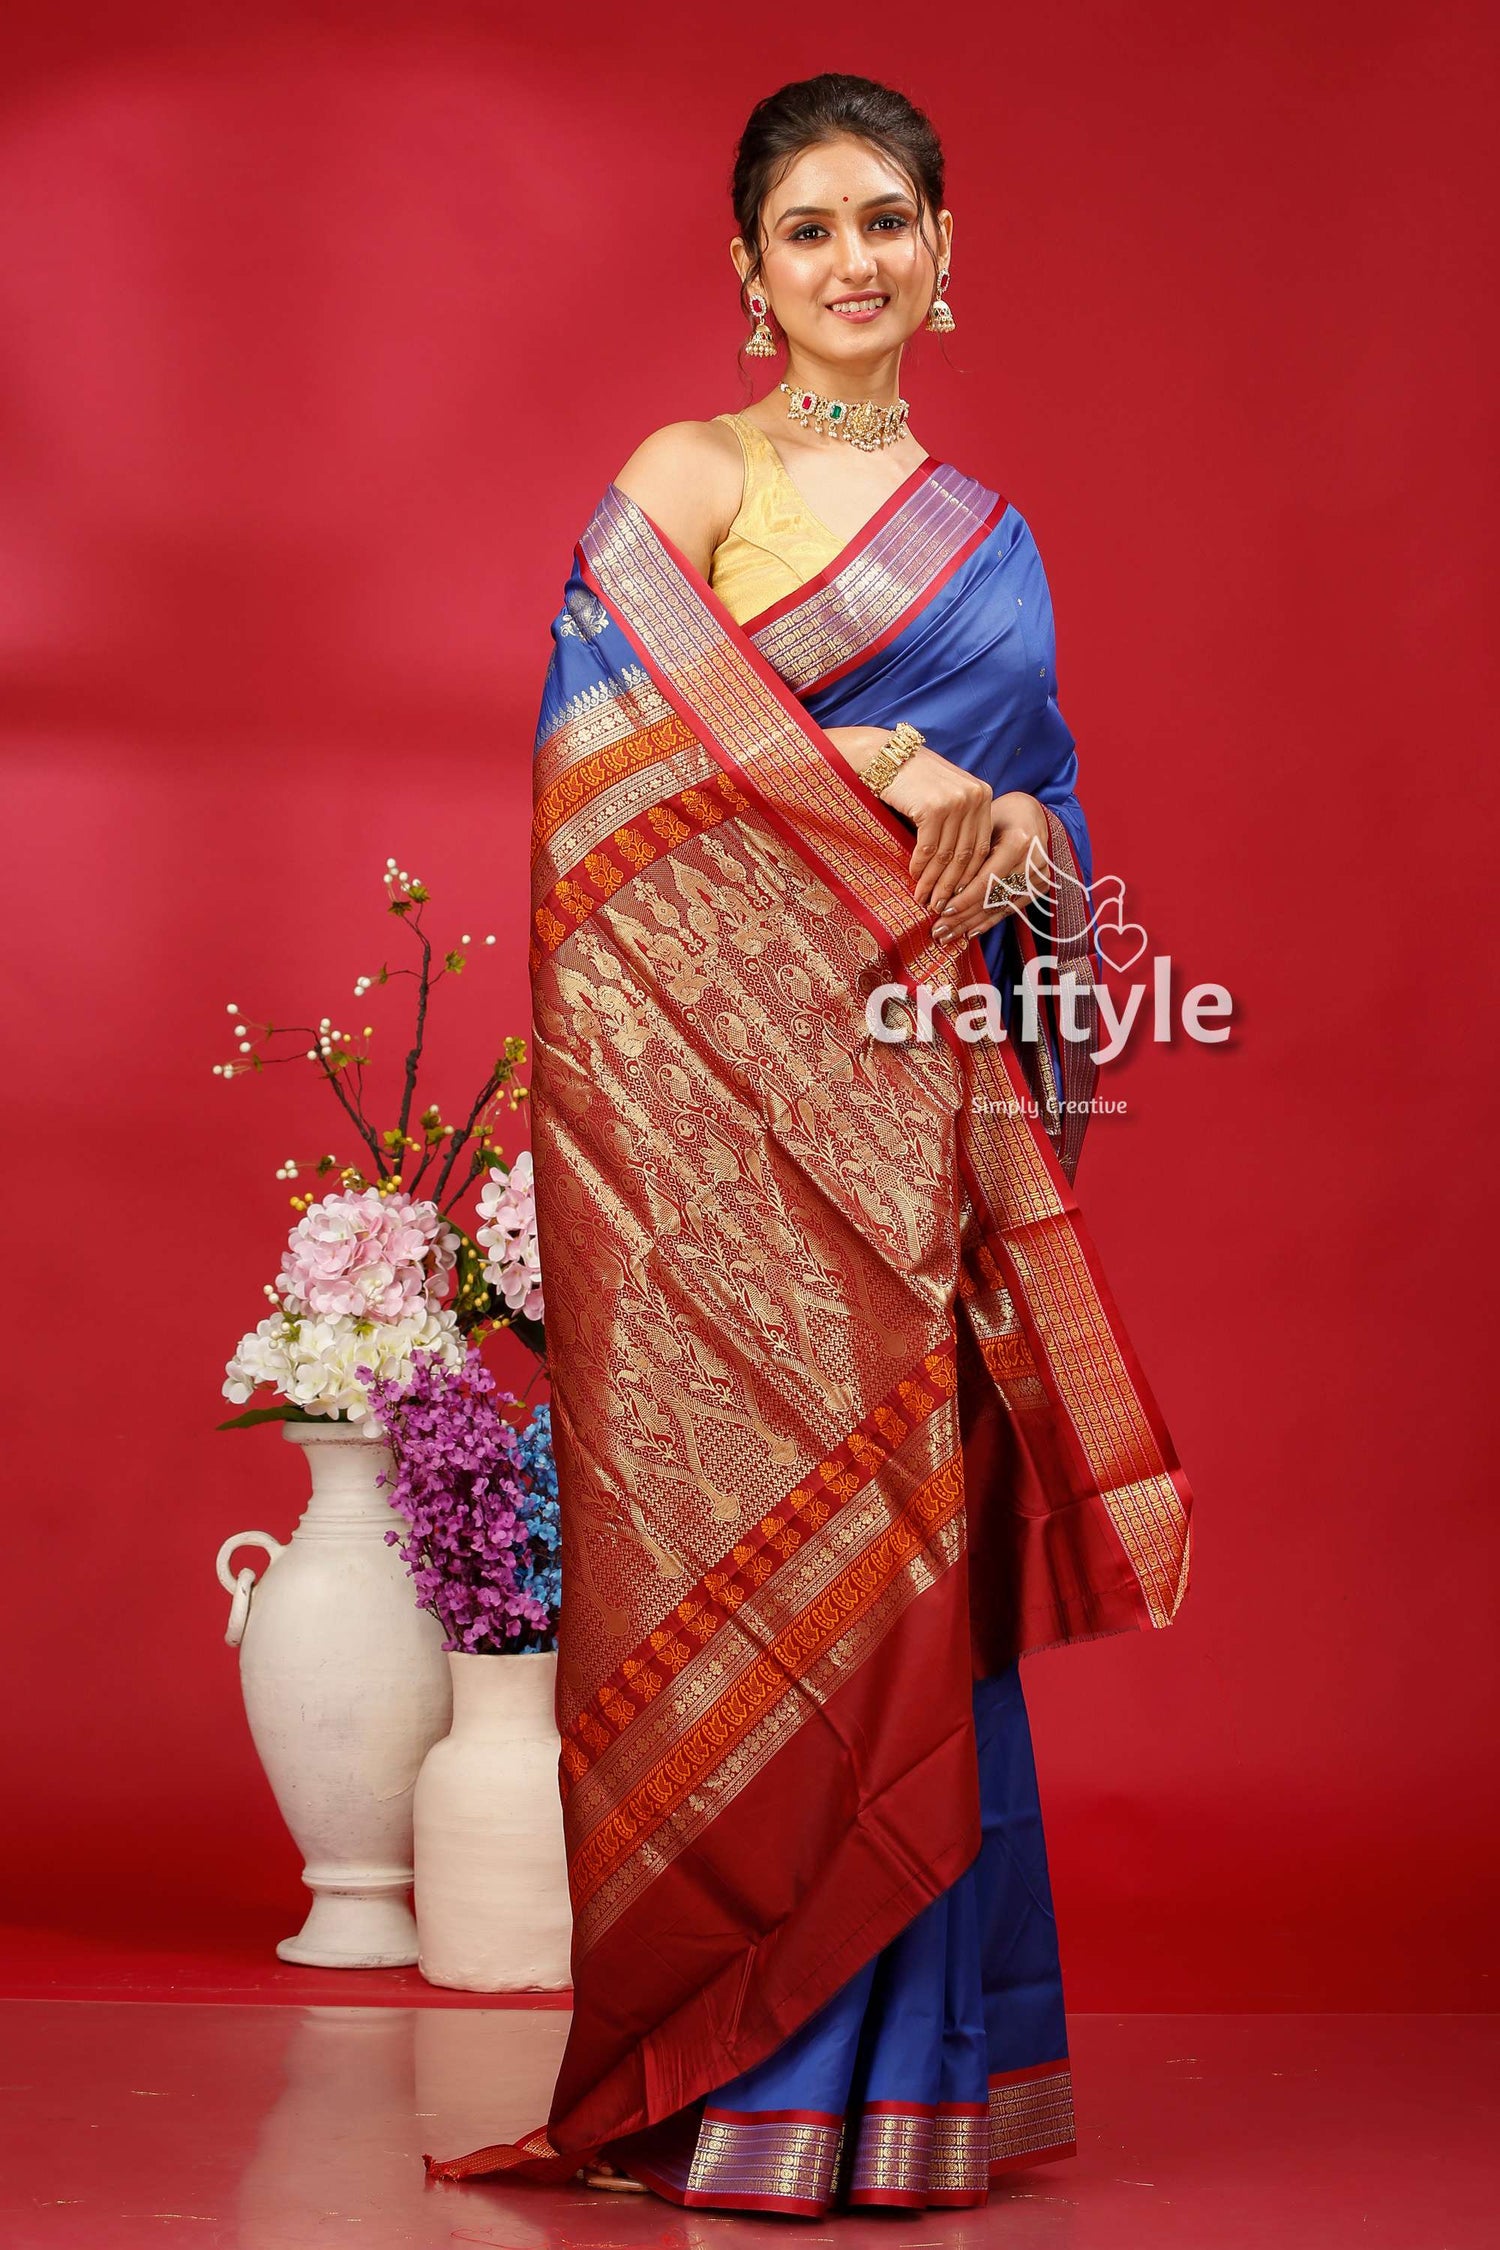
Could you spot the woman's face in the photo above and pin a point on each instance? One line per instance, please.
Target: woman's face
(847, 273)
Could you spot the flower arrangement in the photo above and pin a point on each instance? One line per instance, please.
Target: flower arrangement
(377, 1275)
(479, 1497)
(507, 1204)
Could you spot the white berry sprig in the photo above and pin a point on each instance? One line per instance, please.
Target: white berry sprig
(424, 1140)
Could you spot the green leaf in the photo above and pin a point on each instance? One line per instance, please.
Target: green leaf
(286, 1412)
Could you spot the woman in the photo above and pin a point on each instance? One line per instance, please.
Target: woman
(845, 1420)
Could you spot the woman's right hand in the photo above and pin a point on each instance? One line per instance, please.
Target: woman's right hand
(951, 809)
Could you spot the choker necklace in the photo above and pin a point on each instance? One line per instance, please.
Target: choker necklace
(862, 422)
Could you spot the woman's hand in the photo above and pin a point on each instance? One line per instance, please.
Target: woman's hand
(951, 809)
(1019, 823)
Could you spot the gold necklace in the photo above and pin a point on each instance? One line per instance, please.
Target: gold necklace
(860, 421)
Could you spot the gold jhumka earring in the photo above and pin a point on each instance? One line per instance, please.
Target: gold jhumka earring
(762, 344)
(940, 318)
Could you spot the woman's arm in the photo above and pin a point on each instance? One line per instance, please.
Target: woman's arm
(1017, 822)
(949, 806)
(688, 476)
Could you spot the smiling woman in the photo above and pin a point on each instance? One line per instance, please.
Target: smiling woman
(845, 1421)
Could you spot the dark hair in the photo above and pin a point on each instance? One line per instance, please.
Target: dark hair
(813, 110)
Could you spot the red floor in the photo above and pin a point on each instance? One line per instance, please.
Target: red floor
(285, 2128)
(240, 1965)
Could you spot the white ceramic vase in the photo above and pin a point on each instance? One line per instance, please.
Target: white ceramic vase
(346, 1689)
(493, 1913)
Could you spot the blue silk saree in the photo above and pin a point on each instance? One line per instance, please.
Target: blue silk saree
(846, 1421)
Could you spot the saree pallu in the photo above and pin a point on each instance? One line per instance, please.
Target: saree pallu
(845, 1419)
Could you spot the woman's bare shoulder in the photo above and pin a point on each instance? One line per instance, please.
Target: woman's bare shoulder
(681, 446)
(688, 477)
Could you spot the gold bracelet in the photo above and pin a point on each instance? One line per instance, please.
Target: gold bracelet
(887, 763)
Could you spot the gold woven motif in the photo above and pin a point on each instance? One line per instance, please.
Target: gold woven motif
(776, 1190)
(787, 2159)
(1029, 2114)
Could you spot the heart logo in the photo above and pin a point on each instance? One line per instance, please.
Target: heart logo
(1120, 943)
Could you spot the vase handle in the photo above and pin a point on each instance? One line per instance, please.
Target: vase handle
(241, 1584)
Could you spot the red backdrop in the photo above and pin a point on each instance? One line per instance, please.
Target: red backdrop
(321, 334)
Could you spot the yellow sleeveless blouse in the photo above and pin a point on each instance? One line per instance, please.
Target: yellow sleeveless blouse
(775, 544)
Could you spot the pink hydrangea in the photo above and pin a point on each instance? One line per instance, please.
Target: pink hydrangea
(371, 1256)
(507, 1205)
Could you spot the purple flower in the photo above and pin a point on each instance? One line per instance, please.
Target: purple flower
(479, 1501)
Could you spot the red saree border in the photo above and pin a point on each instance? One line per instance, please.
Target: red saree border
(770, 679)
(940, 578)
(1146, 1398)
(1027, 2120)
(892, 505)
(818, 1628)
(872, 1882)
(867, 1895)
(642, 748)
(886, 819)
(1031, 2116)
(1004, 1255)
(876, 2154)
(617, 858)
(534, 2153)
(1044, 2110)
(873, 807)
(838, 624)
(804, 2147)
(1109, 1401)
(917, 2156)
(765, 1549)
(1066, 1094)
(1158, 1594)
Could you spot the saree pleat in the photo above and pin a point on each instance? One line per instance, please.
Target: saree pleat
(846, 1422)
(941, 2063)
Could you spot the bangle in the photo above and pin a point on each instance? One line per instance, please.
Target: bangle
(887, 763)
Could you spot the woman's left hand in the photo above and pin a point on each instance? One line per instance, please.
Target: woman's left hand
(1019, 823)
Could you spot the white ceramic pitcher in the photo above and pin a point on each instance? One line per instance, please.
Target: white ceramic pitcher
(346, 1689)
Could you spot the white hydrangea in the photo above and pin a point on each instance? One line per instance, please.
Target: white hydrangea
(311, 1361)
